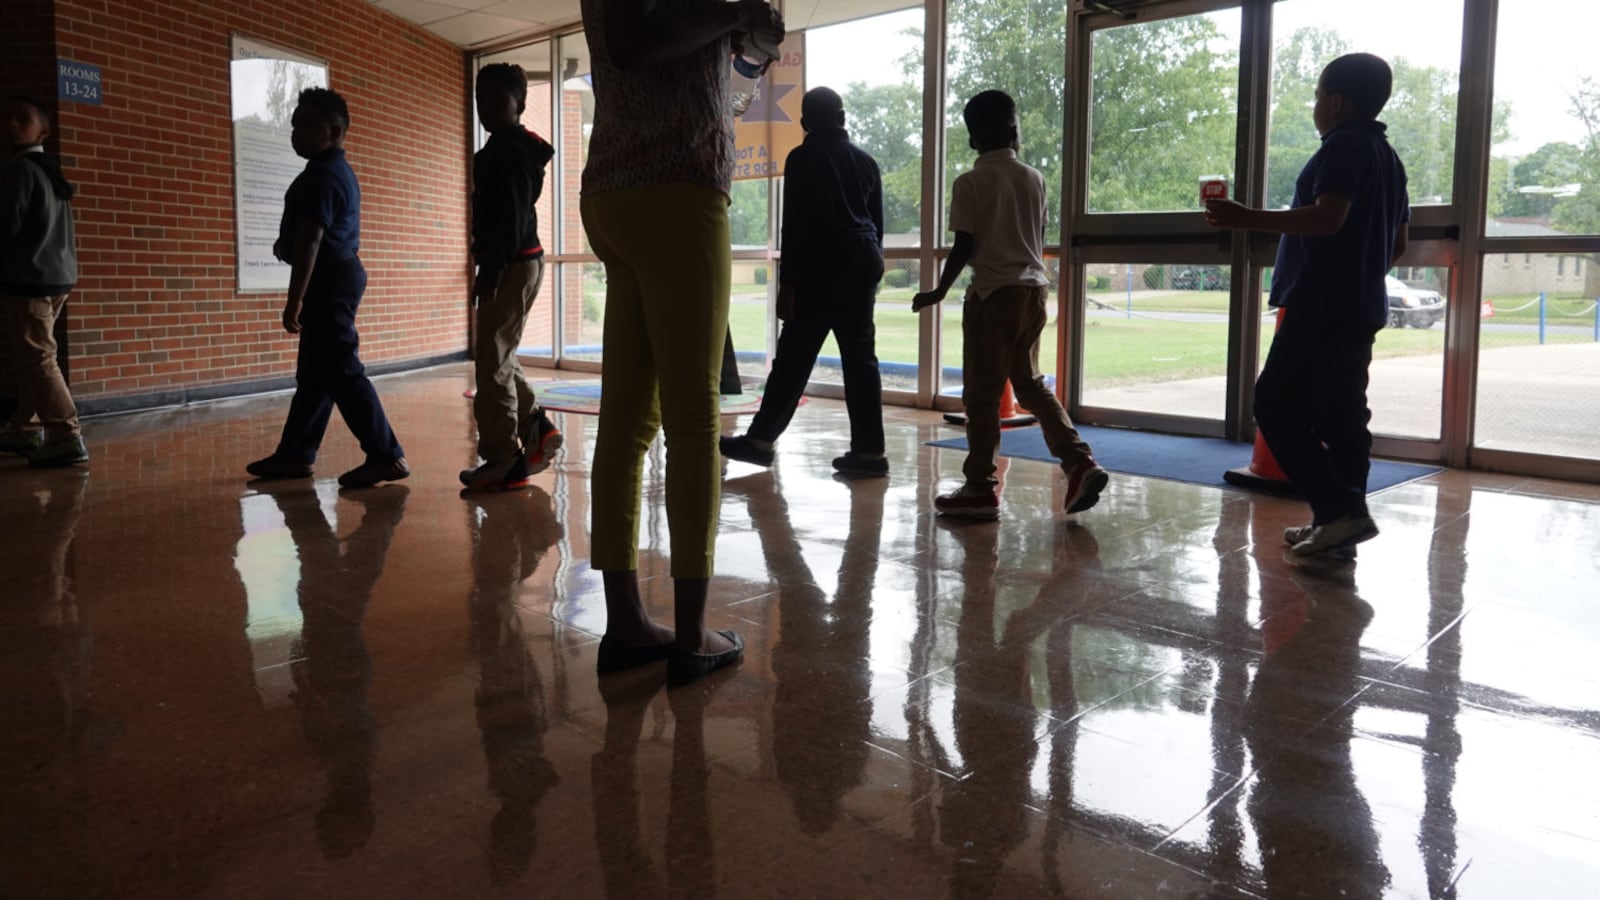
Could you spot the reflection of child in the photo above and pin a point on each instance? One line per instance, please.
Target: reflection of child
(319, 238)
(997, 212)
(38, 268)
(1345, 230)
(515, 437)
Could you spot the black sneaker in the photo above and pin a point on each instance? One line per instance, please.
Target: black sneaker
(276, 468)
(492, 477)
(853, 463)
(744, 449)
(59, 454)
(371, 472)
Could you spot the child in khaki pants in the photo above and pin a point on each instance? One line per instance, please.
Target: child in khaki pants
(997, 213)
(38, 268)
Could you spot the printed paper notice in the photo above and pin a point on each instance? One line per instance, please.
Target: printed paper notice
(267, 82)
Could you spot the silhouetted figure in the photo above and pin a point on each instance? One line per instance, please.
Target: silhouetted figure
(511, 533)
(628, 869)
(984, 814)
(1313, 824)
(1347, 227)
(827, 284)
(332, 670)
(820, 715)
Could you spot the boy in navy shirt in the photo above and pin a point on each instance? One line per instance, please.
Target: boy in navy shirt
(1347, 227)
(515, 437)
(319, 238)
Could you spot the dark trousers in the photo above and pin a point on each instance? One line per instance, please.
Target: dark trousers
(1311, 407)
(839, 300)
(328, 372)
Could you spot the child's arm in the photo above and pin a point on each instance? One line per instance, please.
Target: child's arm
(1401, 238)
(960, 255)
(1325, 216)
(302, 259)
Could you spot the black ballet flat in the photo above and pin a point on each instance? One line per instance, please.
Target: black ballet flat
(684, 667)
(616, 656)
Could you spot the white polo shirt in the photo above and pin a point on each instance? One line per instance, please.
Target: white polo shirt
(1001, 204)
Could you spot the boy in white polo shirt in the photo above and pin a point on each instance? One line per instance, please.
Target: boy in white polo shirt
(997, 212)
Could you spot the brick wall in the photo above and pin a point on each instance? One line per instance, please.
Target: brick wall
(157, 309)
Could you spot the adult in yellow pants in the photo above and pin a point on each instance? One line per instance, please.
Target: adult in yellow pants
(655, 208)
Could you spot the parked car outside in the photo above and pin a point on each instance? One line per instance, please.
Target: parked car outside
(1201, 278)
(1416, 307)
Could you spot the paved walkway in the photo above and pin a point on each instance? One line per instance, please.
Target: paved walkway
(1542, 399)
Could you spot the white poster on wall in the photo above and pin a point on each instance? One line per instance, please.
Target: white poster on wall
(267, 81)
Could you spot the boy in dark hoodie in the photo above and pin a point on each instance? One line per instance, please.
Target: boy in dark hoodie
(38, 268)
(515, 437)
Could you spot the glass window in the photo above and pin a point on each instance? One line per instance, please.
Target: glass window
(1163, 112)
(577, 121)
(1421, 39)
(876, 66)
(1545, 174)
(583, 307)
(747, 310)
(1156, 338)
(1537, 343)
(1019, 48)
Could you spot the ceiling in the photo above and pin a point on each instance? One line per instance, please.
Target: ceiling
(478, 23)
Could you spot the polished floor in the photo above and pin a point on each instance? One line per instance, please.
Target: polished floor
(215, 689)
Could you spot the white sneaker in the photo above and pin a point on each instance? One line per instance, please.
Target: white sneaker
(1340, 534)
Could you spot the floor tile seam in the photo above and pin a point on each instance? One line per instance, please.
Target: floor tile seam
(1235, 791)
(900, 755)
(1083, 711)
(1455, 622)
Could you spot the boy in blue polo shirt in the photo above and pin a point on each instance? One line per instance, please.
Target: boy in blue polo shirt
(1347, 227)
(319, 238)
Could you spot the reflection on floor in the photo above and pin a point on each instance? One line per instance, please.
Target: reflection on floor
(210, 689)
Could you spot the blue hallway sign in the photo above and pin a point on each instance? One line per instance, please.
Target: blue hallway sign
(77, 82)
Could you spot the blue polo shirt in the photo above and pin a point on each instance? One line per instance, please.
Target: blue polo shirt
(1341, 275)
(327, 192)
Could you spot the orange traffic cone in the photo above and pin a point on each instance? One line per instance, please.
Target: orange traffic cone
(1011, 415)
(1263, 473)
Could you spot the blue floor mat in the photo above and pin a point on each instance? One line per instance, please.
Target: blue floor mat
(1196, 460)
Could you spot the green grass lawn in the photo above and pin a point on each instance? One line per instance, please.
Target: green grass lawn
(1135, 350)
(1563, 308)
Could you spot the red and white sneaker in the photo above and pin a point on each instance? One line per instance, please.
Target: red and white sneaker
(540, 444)
(509, 476)
(970, 503)
(1085, 481)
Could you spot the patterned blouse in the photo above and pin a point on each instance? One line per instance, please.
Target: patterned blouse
(660, 123)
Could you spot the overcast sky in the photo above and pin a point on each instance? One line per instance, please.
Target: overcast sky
(1543, 50)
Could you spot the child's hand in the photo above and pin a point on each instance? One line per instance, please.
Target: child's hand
(1227, 214)
(291, 318)
(926, 299)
